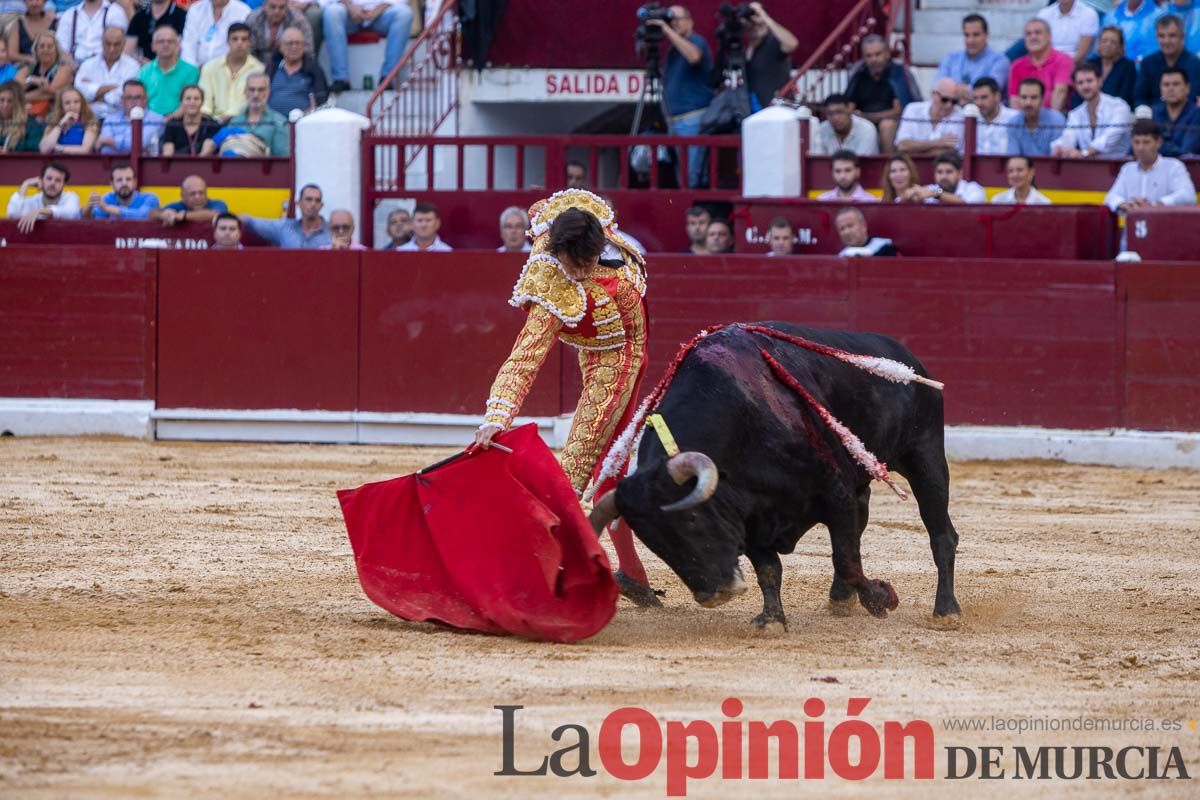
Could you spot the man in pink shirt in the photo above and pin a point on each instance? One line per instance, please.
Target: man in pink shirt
(1048, 65)
(846, 180)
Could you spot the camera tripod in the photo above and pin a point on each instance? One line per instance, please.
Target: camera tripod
(652, 92)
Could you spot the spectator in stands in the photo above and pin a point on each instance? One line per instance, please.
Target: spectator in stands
(686, 85)
(901, 176)
(192, 133)
(768, 51)
(399, 228)
(1021, 190)
(1039, 126)
(100, 77)
(1043, 62)
(976, 60)
(194, 205)
(782, 237)
(1117, 73)
(426, 223)
(1171, 53)
(1136, 20)
(698, 218)
(719, 236)
(856, 240)
(8, 70)
(382, 16)
(1178, 119)
(995, 118)
(81, 29)
(843, 130)
(1073, 27)
(297, 80)
(314, 13)
(46, 77)
(879, 89)
(149, 18)
(1151, 179)
(124, 201)
(24, 30)
(259, 120)
(576, 175)
(165, 76)
(933, 125)
(1189, 13)
(1099, 126)
(341, 232)
(71, 127)
(206, 30)
(116, 135)
(847, 175)
(513, 222)
(267, 25)
(49, 201)
(949, 187)
(310, 231)
(223, 79)
(227, 232)
(18, 133)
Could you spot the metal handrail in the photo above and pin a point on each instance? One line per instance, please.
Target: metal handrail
(822, 53)
(435, 43)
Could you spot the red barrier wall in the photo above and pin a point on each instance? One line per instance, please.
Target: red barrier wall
(1074, 344)
(1161, 346)
(258, 329)
(435, 328)
(123, 234)
(77, 322)
(1066, 232)
(1165, 234)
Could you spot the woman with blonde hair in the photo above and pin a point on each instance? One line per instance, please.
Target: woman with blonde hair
(900, 176)
(18, 133)
(46, 77)
(71, 126)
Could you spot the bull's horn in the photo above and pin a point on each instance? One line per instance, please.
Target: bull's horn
(604, 512)
(685, 466)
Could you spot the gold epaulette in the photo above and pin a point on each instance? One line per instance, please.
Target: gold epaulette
(544, 281)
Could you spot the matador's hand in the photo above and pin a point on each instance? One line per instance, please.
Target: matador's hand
(483, 438)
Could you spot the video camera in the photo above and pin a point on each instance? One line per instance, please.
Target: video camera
(733, 19)
(652, 34)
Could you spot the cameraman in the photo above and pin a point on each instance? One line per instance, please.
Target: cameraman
(769, 46)
(685, 84)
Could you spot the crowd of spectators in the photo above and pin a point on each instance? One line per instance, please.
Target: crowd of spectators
(73, 66)
(1072, 87)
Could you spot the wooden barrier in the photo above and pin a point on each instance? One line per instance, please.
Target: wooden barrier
(1077, 344)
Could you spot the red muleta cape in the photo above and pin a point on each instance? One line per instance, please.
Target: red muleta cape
(494, 542)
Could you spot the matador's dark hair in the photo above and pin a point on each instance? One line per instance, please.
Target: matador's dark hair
(577, 234)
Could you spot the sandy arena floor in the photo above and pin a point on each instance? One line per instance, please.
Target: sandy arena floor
(184, 619)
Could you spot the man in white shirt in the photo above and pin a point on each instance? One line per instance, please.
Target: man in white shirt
(426, 222)
(206, 30)
(513, 223)
(843, 130)
(81, 29)
(995, 119)
(1151, 179)
(392, 18)
(1074, 26)
(49, 201)
(1099, 126)
(950, 188)
(931, 126)
(101, 77)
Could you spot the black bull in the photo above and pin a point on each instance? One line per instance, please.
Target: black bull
(779, 470)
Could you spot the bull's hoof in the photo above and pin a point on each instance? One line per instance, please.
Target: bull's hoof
(946, 608)
(945, 622)
(641, 594)
(878, 598)
(842, 608)
(771, 623)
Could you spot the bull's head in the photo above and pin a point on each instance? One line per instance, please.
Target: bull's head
(689, 533)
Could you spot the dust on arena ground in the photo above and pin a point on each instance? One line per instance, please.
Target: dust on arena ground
(184, 618)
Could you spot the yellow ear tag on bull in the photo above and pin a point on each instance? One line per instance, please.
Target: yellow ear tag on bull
(659, 424)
